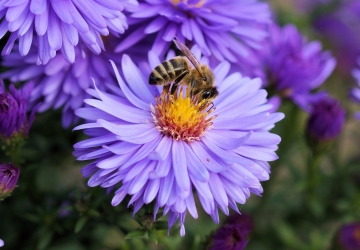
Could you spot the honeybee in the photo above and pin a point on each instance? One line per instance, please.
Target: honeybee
(200, 79)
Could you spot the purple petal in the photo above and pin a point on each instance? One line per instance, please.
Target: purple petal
(15, 12)
(62, 10)
(127, 92)
(122, 147)
(41, 22)
(258, 153)
(119, 196)
(218, 190)
(155, 25)
(136, 184)
(151, 190)
(38, 6)
(196, 167)
(71, 33)
(114, 161)
(162, 150)
(226, 142)
(190, 204)
(94, 142)
(202, 154)
(165, 189)
(25, 43)
(54, 32)
(180, 168)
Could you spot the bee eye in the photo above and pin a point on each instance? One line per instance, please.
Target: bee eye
(204, 79)
(207, 94)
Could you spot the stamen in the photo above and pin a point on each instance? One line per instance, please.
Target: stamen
(182, 116)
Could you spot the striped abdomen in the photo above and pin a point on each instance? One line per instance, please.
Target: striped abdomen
(169, 71)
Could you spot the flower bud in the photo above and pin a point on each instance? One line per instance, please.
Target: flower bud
(13, 106)
(9, 175)
(233, 234)
(326, 120)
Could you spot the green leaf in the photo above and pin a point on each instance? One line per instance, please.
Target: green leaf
(80, 224)
(136, 233)
(289, 236)
(93, 213)
(153, 236)
(45, 239)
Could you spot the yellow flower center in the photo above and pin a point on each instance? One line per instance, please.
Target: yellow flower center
(182, 117)
(197, 5)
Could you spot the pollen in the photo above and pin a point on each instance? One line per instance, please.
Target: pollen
(182, 117)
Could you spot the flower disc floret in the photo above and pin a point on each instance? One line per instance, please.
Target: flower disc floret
(180, 116)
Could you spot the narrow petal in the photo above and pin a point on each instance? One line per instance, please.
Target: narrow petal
(180, 168)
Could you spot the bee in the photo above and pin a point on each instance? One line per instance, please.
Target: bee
(177, 70)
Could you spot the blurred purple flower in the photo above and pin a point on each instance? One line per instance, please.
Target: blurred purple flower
(59, 25)
(355, 92)
(1, 243)
(350, 236)
(224, 29)
(163, 151)
(233, 234)
(341, 28)
(9, 175)
(326, 120)
(13, 107)
(64, 209)
(307, 6)
(293, 66)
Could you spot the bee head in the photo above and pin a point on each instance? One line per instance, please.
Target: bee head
(208, 94)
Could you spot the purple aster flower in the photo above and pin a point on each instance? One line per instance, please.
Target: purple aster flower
(341, 29)
(13, 106)
(60, 25)
(9, 175)
(159, 148)
(291, 65)
(350, 236)
(223, 29)
(1, 243)
(326, 120)
(233, 234)
(63, 84)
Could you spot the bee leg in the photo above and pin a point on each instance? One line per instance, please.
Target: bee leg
(180, 77)
(166, 88)
(174, 87)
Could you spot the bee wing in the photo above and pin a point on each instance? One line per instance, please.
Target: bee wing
(188, 54)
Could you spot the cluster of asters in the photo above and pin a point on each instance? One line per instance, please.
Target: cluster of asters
(155, 146)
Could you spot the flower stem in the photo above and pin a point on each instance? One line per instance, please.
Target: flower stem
(313, 178)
